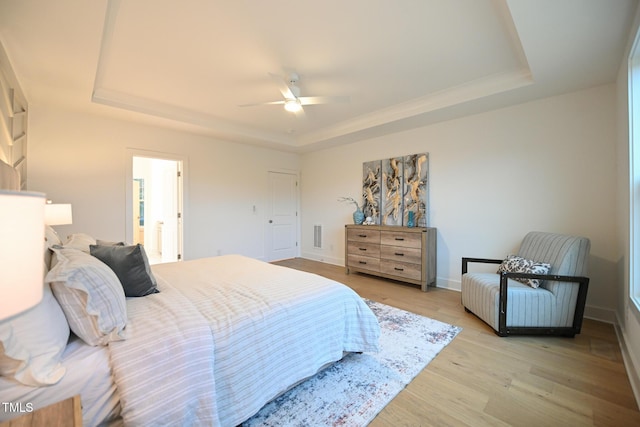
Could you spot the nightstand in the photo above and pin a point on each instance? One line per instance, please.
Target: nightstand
(66, 413)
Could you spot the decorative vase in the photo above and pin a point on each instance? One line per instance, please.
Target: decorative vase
(411, 221)
(358, 216)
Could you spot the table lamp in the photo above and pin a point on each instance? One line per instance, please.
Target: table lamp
(21, 251)
(57, 214)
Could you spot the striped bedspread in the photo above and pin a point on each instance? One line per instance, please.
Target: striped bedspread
(163, 370)
(254, 330)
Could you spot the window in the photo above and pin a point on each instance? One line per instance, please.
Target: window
(634, 173)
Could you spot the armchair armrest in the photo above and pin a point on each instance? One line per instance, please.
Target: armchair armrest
(554, 277)
(466, 260)
(583, 283)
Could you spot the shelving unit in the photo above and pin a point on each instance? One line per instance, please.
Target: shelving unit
(13, 126)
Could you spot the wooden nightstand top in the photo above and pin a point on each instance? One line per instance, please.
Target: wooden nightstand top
(66, 413)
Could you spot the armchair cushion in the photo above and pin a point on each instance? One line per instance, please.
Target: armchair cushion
(527, 306)
(555, 307)
(516, 264)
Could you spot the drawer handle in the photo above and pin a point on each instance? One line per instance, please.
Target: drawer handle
(363, 249)
(362, 235)
(362, 262)
(398, 269)
(398, 254)
(400, 238)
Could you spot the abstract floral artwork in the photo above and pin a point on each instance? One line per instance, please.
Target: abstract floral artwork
(392, 170)
(371, 190)
(393, 187)
(416, 167)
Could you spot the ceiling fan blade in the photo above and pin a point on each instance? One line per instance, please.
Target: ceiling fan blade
(261, 103)
(311, 100)
(282, 86)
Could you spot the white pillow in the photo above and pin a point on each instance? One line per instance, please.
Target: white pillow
(51, 238)
(80, 241)
(32, 343)
(90, 295)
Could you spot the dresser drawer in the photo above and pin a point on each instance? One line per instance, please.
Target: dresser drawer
(401, 269)
(363, 235)
(364, 249)
(364, 262)
(400, 238)
(401, 254)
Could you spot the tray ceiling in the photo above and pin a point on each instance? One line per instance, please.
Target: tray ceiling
(191, 64)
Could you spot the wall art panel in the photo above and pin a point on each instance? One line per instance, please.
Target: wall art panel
(416, 169)
(371, 190)
(392, 177)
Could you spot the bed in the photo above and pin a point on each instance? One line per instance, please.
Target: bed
(210, 342)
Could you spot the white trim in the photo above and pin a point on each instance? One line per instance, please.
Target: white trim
(600, 314)
(631, 368)
(321, 258)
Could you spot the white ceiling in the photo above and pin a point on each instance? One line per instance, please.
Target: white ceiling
(190, 64)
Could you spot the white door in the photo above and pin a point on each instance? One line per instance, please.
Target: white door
(282, 227)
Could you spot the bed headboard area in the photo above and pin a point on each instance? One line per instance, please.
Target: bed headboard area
(13, 129)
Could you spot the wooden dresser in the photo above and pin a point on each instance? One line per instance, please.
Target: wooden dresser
(399, 253)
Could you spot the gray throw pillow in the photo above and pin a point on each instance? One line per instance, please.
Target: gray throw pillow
(131, 265)
(108, 243)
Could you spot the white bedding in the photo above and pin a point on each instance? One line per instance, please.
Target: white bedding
(164, 367)
(272, 326)
(223, 337)
(88, 374)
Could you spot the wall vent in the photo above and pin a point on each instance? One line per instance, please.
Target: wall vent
(317, 236)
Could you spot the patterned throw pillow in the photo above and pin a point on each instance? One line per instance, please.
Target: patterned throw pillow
(516, 264)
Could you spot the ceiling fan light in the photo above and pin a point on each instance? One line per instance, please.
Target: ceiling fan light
(292, 105)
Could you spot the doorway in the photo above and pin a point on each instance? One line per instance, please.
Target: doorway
(156, 207)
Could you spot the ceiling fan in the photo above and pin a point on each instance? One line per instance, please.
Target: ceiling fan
(292, 101)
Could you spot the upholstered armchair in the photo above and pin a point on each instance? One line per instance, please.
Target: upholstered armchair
(510, 307)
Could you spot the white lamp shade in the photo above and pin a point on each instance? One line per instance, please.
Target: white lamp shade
(21, 251)
(58, 214)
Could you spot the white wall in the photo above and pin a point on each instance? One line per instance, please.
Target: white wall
(548, 165)
(81, 159)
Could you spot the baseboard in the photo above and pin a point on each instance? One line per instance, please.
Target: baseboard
(605, 315)
(322, 258)
(444, 283)
(627, 358)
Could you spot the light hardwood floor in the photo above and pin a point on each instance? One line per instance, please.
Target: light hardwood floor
(481, 379)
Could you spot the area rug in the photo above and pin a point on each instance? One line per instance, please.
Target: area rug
(354, 390)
